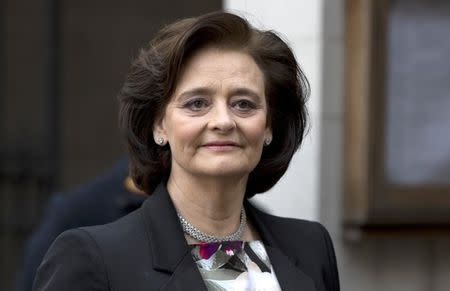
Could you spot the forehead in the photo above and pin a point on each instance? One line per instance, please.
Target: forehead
(212, 66)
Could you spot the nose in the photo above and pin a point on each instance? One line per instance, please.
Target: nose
(221, 119)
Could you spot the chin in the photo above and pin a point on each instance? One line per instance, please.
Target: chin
(227, 171)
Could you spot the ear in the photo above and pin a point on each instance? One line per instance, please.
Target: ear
(268, 133)
(159, 129)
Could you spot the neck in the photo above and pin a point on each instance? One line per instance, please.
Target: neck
(213, 205)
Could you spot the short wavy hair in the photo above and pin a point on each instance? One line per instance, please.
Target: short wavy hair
(153, 77)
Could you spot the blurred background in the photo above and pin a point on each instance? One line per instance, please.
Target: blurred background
(63, 62)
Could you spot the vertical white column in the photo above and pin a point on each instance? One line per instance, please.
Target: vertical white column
(300, 23)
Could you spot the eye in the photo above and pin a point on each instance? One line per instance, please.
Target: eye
(196, 104)
(244, 105)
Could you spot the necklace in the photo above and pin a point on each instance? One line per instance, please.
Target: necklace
(199, 235)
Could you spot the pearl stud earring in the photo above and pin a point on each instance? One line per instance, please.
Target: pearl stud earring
(161, 141)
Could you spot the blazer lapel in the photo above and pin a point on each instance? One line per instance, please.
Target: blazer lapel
(169, 250)
(289, 275)
(171, 254)
(185, 277)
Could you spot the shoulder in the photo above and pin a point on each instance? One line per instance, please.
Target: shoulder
(125, 229)
(71, 210)
(98, 254)
(123, 246)
(309, 244)
(303, 231)
(73, 255)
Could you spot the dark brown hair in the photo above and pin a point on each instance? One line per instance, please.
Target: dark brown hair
(154, 74)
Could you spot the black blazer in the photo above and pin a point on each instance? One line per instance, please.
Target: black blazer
(102, 200)
(146, 250)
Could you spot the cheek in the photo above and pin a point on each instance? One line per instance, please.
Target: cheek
(184, 134)
(255, 131)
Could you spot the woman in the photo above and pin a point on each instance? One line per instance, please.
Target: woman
(213, 111)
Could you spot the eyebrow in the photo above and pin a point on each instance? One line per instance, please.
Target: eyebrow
(195, 91)
(208, 91)
(246, 92)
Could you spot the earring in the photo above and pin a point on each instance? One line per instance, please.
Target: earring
(161, 141)
(267, 141)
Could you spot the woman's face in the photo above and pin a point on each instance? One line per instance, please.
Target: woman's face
(216, 121)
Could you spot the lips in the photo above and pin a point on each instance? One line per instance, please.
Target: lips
(221, 145)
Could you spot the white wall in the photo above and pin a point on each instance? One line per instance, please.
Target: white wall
(297, 194)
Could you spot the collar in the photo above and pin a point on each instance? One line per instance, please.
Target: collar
(170, 252)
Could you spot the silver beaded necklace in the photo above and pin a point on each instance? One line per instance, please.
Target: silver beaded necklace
(194, 232)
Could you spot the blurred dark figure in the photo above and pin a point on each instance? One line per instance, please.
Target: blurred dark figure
(105, 199)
